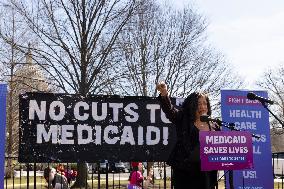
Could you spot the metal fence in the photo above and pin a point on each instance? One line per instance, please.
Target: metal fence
(100, 175)
(105, 176)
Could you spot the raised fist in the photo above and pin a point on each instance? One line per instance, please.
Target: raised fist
(162, 88)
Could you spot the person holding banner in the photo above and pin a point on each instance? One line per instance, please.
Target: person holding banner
(185, 157)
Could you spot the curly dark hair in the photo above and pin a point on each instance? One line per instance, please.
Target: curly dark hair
(190, 104)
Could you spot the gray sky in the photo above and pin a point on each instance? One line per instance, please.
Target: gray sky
(250, 33)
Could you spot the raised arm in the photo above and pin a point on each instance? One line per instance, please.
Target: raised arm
(165, 102)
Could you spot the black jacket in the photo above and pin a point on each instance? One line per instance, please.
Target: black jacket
(186, 153)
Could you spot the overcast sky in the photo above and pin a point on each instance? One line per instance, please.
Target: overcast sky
(250, 33)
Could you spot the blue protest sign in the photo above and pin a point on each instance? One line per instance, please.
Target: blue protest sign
(3, 92)
(250, 115)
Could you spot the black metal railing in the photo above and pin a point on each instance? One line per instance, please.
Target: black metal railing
(30, 175)
(278, 166)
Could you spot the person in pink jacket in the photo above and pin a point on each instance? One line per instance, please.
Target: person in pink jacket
(136, 177)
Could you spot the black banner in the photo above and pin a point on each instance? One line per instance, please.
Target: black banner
(73, 128)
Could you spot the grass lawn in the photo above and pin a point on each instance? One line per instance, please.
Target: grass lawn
(41, 184)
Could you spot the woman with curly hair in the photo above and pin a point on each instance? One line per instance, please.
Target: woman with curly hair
(185, 157)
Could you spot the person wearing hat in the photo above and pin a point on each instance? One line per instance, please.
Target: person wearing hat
(55, 180)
